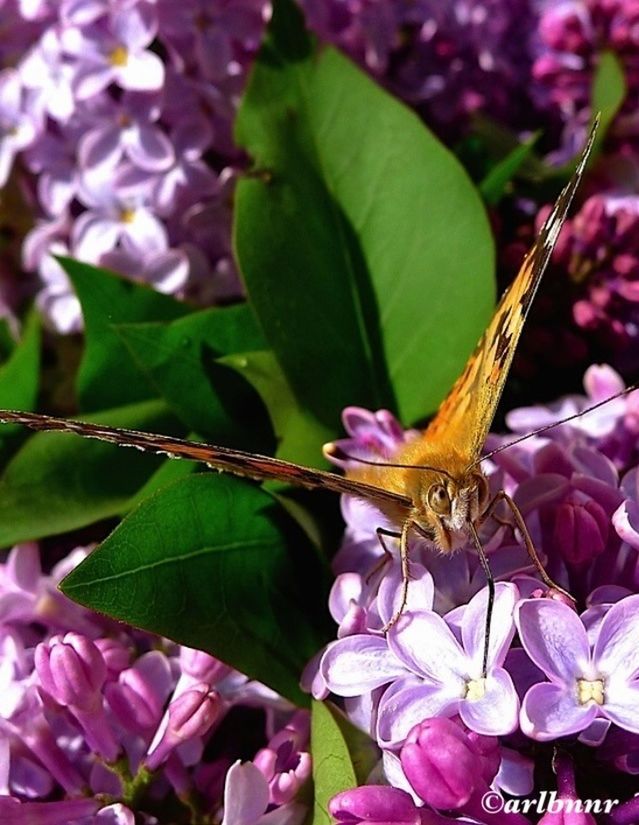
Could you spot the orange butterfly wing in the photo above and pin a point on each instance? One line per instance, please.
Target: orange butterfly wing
(237, 462)
(466, 414)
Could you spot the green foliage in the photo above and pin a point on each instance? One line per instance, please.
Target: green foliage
(609, 89)
(180, 363)
(19, 378)
(212, 562)
(107, 376)
(58, 482)
(333, 769)
(299, 434)
(501, 174)
(364, 246)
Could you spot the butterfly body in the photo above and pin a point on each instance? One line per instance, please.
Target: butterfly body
(443, 501)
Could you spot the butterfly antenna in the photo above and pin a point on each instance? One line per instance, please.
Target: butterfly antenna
(331, 450)
(554, 424)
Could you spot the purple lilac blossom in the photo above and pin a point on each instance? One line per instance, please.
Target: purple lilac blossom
(570, 673)
(572, 36)
(118, 115)
(597, 259)
(91, 708)
(448, 60)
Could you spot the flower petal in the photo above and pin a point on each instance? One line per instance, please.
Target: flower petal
(496, 712)
(622, 704)
(100, 147)
(502, 627)
(625, 520)
(358, 664)
(149, 148)
(421, 592)
(94, 235)
(549, 711)
(245, 794)
(143, 72)
(425, 644)
(92, 78)
(554, 638)
(408, 702)
(616, 650)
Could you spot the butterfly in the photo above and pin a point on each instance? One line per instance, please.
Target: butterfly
(434, 485)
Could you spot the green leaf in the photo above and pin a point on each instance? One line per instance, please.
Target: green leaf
(300, 435)
(180, 362)
(333, 769)
(495, 182)
(58, 482)
(212, 562)
(609, 89)
(364, 246)
(19, 377)
(107, 378)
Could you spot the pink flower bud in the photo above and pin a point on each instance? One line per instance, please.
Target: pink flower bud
(581, 531)
(441, 763)
(71, 670)
(190, 715)
(374, 804)
(116, 656)
(202, 666)
(134, 700)
(285, 763)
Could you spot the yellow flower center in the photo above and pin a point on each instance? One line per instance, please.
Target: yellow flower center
(475, 689)
(127, 215)
(588, 690)
(119, 56)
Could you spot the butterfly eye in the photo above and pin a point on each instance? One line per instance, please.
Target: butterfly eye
(438, 499)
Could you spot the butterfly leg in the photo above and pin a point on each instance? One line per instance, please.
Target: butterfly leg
(405, 562)
(503, 522)
(502, 495)
(388, 556)
(483, 560)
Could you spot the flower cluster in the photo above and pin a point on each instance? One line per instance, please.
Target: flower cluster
(573, 36)
(121, 111)
(451, 718)
(448, 60)
(129, 721)
(597, 256)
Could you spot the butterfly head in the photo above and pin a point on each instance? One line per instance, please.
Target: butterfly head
(446, 504)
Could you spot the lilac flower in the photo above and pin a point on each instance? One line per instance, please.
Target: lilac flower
(190, 715)
(126, 129)
(373, 436)
(596, 258)
(442, 677)
(583, 684)
(246, 798)
(573, 36)
(444, 765)
(626, 518)
(46, 71)
(447, 60)
(18, 126)
(15, 812)
(285, 762)
(107, 89)
(377, 803)
(97, 711)
(118, 213)
(121, 56)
